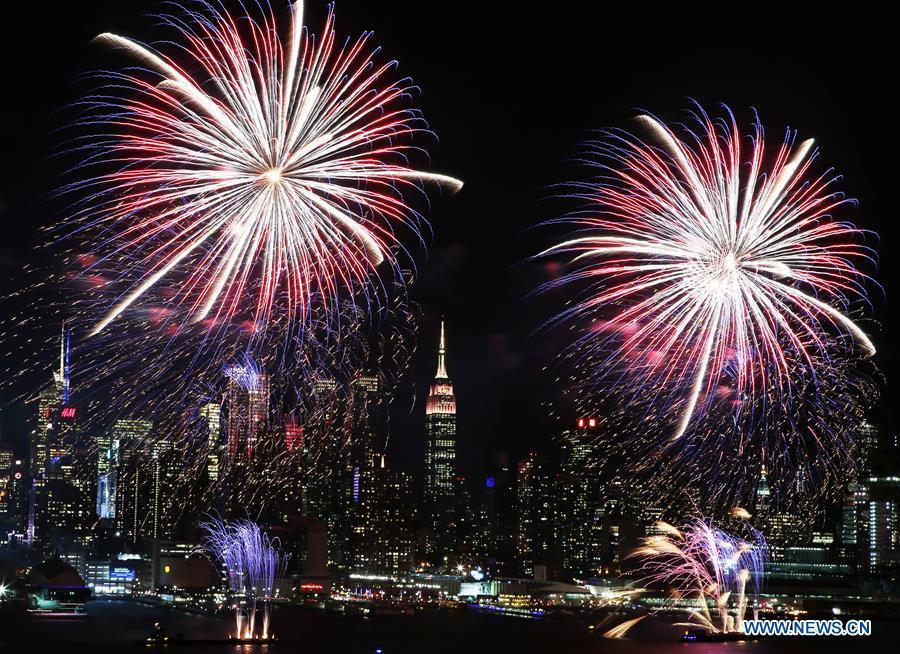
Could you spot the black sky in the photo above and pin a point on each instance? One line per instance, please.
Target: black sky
(511, 90)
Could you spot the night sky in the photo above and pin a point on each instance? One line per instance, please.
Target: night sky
(511, 92)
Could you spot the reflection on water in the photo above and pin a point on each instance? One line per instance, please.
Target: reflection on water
(114, 626)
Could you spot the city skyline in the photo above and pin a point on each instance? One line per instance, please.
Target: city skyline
(342, 315)
(482, 287)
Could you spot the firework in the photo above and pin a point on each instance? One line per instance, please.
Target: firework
(621, 630)
(705, 565)
(253, 567)
(256, 171)
(718, 288)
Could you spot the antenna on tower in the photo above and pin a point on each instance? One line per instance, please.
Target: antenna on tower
(62, 376)
(442, 353)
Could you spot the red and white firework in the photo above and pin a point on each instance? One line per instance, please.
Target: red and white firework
(253, 167)
(716, 267)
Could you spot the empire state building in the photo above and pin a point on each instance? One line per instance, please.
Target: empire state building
(440, 437)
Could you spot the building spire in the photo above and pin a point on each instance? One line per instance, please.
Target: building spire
(442, 352)
(62, 376)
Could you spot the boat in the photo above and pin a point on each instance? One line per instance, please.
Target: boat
(159, 638)
(702, 636)
(178, 641)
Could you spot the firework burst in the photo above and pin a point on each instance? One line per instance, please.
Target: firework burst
(705, 565)
(719, 287)
(250, 170)
(253, 570)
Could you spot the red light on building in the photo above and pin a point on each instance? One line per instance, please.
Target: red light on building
(67, 412)
(587, 423)
(293, 434)
(311, 588)
(581, 423)
(592, 422)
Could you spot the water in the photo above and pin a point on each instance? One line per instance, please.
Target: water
(114, 626)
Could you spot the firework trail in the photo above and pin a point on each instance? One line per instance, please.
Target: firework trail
(707, 565)
(621, 630)
(253, 566)
(718, 286)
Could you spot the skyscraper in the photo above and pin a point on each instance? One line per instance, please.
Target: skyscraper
(577, 521)
(105, 507)
(246, 412)
(500, 516)
(382, 520)
(870, 532)
(61, 500)
(338, 450)
(7, 461)
(534, 506)
(293, 434)
(211, 414)
(440, 450)
(247, 407)
(322, 447)
(13, 496)
(144, 469)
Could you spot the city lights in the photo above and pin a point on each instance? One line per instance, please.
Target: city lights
(267, 379)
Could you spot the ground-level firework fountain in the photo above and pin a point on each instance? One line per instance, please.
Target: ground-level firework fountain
(709, 568)
(254, 570)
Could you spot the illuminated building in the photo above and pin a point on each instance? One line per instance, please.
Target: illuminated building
(440, 451)
(326, 468)
(105, 505)
(576, 520)
(322, 451)
(534, 507)
(762, 494)
(883, 538)
(855, 497)
(245, 410)
(361, 473)
(145, 468)
(783, 529)
(867, 439)
(62, 497)
(182, 564)
(246, 407)
(13, 496)
(7, 460)
(338, 446)
(366, 422)
(293, 434)
(211, 414)
(383, 540)
(114, 578)
(870, 533)
(468, 526)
